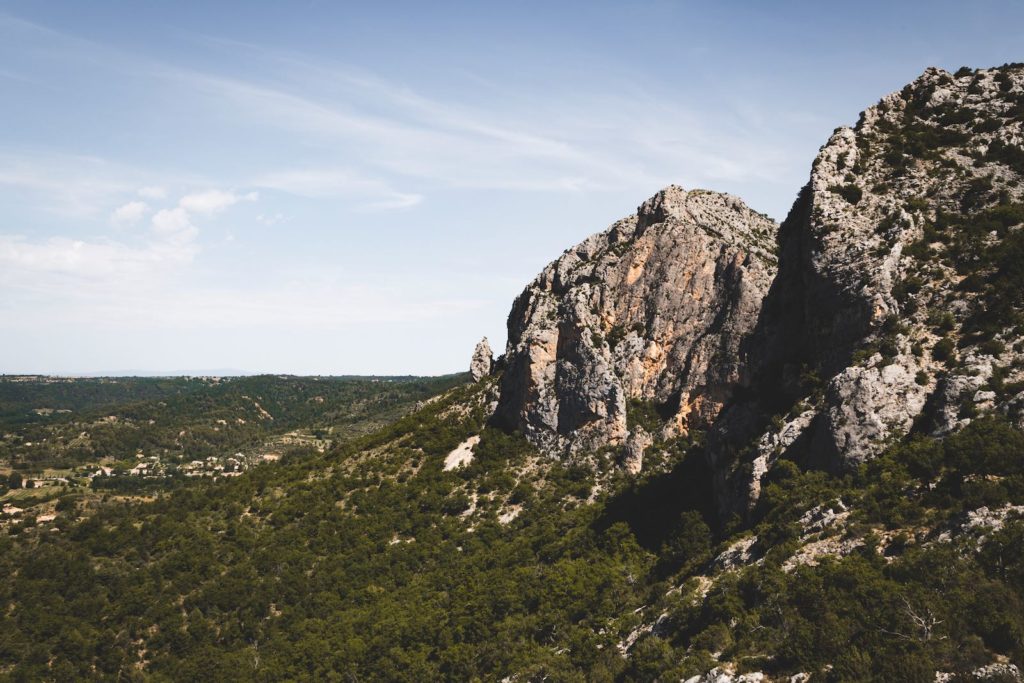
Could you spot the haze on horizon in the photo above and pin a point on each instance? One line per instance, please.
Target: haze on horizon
(349, 189)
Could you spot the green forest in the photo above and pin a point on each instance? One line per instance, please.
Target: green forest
(371, 562)
(63, 422)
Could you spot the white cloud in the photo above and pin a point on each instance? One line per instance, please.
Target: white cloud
(152, 192)
(633, 138)
(129, 214)
(68, 185)
(171, 241)
(397, 201)
(338, 182)
(24, 261)
(139, 285)
(539, 148)
(270, 219)
(174, 225)
(213, 201)
(303, 305)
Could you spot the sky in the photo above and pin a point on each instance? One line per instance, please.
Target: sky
(363, 188)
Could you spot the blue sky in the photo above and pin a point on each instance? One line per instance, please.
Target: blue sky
(327, 188)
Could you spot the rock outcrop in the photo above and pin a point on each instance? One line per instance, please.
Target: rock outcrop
(482, 362)
(651, 312)
(889, 301)
(636, 443)
(883, 315)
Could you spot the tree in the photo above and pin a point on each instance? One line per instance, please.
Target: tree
(689, 544)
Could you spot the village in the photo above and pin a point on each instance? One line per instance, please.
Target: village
(69, 445)
(33, 498)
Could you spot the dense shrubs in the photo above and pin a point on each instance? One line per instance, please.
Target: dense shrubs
(995, 267)
(183, 419)
(358, 564)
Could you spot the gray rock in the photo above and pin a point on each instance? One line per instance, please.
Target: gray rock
(841, 293)
(954, 390)
(483, 360)
(653, 309)
(865, 405)
(727, 674)
(983, 517)
(633, 457)
(997, 671)
(698, 310)
(739, 554)
(773, 444)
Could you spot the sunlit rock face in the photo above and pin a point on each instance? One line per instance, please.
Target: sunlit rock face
(888, 300)
(654, 309)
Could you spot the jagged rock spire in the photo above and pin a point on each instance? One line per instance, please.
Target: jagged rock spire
(482, 362)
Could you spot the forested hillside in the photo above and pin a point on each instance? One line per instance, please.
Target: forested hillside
(127, 436)
(373, 561)
(60, 422)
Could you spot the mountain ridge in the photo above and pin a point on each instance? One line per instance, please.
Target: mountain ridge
(876, 189)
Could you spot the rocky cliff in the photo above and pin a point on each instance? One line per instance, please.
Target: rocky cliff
(648, 316)
(895, 303)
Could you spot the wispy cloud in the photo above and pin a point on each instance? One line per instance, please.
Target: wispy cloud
(25, 263)
(399, 143)
(174, 226)
(70, 185)
(129, 214)
(201, 159)
(629, 130)
(130, 287)
(171, 241)
(214, 201)
(421, 138)
(152, 192)
(636, 139)
(337, 182)
(270, 219)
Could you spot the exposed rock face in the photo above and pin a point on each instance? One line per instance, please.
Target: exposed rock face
(874, 266)
(654, 309)
(996, 672)
(727, 674)
(895, 303)
(482, 362)
(637, 442)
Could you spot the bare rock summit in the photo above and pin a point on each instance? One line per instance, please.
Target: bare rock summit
(888, 301)
(897, 303)
(649, 315)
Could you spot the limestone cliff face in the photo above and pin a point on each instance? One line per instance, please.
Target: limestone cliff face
(891, 308)
(896, 302)
(653, 310)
